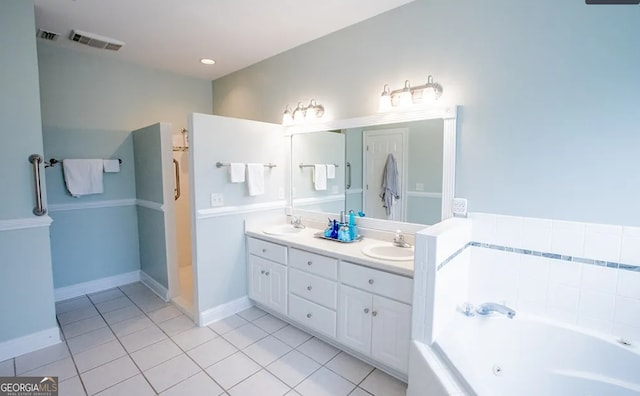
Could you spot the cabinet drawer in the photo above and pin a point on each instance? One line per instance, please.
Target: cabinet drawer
(268, 250)
(312, 315)
(314, 263)
(313, 288)
(394, 286)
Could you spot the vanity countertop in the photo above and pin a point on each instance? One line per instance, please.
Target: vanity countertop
(351, 252)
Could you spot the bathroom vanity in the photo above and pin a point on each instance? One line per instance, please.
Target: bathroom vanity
(334, 291)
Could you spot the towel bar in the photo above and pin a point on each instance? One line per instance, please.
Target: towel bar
(312, 165)
(221, 164)
(52, 162)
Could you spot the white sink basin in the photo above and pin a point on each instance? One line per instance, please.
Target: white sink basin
(388, 252)
(284, 229)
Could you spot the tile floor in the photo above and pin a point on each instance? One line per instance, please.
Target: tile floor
(128, 341)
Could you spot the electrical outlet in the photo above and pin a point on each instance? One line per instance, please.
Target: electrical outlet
(281, 193)
(419, 186)
(460, 207)
(217, 199)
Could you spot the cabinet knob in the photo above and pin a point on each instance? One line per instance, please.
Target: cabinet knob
(262, 272)
(267, 273)
(374, 313)
(264, 250)
(309, 288)
(371, 281)
(366, 310)
(309, 262)
(308, 315)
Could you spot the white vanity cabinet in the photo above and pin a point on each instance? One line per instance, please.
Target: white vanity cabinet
(374, 324)
(268, 274)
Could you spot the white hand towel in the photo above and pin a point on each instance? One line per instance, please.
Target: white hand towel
(320, 177)
(236, 172)
(331, 171)
(111, 166)
(255, 179)
(83, 176)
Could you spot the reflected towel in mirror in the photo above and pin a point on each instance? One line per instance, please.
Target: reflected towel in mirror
(320, 177)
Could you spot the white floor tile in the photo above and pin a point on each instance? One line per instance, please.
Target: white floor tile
(133, 288)
(227, 324)
(269, 323)
(293, 368)
(122, 314)
(83, 326)
(150, 304)
(177, 325)
(63, 369)
(137, 386)
(325, 383)
(349, 367)
(359, 392)
(142, 338)
(98, 356)
(318, 350)
(252, 313)
(90, 340)
(112, 305)
(212, 352)
(292, 336)
(245, 335)
(199, 384)
(292, 392)
(71, 387)
(382, 384)
(109, 374)
(164, 314)
(72, 304)
(41, 357)
(267, 350)
(76, 315)
(171, 372)
(233, 370)
(131, 326)
(263, 382)
(106, 295)
(193, 337)
(7, 368)
(155, 354)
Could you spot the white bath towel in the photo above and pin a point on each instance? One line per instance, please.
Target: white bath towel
(83, 176)
(331, 171)
(255, 179)
(236, 172)
(320, 177)
(111, 166)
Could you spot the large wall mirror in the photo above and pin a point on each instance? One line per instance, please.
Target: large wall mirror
(422, 143)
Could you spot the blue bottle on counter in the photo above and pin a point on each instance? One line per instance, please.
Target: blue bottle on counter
(353, 228)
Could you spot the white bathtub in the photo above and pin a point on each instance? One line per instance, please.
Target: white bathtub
(527, 355)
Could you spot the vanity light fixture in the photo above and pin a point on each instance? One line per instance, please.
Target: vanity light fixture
(314, 111)
(409, 95)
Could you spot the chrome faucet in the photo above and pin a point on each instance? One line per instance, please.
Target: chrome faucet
(489, 308)
(399, 241)
(296, 221)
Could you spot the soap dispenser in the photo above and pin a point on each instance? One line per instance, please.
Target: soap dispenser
(353, 229)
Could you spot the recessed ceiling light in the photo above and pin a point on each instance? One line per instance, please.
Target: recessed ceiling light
(207, 61)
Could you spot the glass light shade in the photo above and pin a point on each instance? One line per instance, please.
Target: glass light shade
(298, 113)
(405, 96)
(385, 99)
(287, 119)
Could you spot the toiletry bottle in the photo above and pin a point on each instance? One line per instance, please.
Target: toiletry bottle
(334, 230)
(353, 229)
(329, 229)
(343, 234)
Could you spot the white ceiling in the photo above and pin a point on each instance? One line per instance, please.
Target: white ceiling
(174, 34)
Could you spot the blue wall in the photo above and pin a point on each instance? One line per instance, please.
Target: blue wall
(548, 89)
(90, 105)
(26, 286)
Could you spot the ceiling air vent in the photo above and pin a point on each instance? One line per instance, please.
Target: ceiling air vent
(47, 35)
(95, 41)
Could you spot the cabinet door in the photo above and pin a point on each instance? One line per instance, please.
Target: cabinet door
(277, 287)
(257, 279)
(354, 319)
(391, 332)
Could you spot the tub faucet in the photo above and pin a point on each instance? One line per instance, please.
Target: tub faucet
(296, 222)
(399, 241)
(489, 308)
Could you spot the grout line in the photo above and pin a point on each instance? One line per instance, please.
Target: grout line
(74, 362)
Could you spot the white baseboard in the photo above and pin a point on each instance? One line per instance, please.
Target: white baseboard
(29, 343)
(79, 289)
(222, 311)
(154, 285)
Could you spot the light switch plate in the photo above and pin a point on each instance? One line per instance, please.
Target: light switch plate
(217, 199)
(460, 207)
